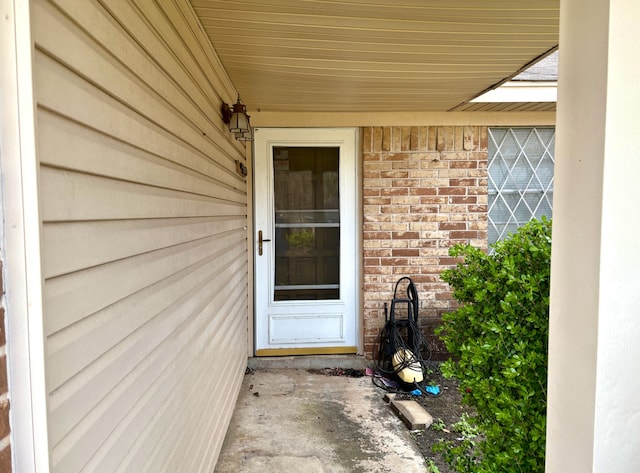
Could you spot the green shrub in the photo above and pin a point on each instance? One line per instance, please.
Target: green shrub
(498, 342)
(304, 238)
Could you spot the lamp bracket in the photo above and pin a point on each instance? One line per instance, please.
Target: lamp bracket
(227, 113)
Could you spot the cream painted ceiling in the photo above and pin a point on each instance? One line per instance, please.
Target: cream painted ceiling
(374, 55)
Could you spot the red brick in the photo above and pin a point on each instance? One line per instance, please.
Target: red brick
(400, 165)
(469, 137)
(458, 141)
(405, 252)
(377, 235)
(369, 226)
(454, 156)
(424, 209)
(422, 279)
(434, 163)
(452, 191)
(379, 270)
(422, 191)
(463, 164)
(449, 138)
(406, 235)
(484, 138)
(463, 182)
(377, 218)
(386, 139)
(376, 201)
(447, 261)
(450, 243)
(5, 460)
(423, 139)
(434, 200)
(477, 190)
(394, 261)
(478, 225)
(3, 338)
(440, 139)
(396, 138)
(377, 139)
(481, 174)
(391, 191)
(366, 140)
(405, 144)
(435, 182)
(395, 209)
(464, 200)
(3, 375)
(394, 174)
(432, 138)
(5, 429)
(452, 226)
(405, 182)
(376, 253)
(444, 296)
(424, 243)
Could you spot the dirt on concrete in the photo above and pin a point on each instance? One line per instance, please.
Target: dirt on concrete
(322, 419)
(314, 421)
(446, 409)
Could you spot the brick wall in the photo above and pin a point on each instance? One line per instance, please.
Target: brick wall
(424, 190)
(5, 446)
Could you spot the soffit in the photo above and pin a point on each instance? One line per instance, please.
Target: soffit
(506, 107)
(374, 55)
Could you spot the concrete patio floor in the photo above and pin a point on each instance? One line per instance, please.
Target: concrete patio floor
(291, 420)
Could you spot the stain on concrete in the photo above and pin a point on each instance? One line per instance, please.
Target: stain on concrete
(315, 423)
(350, 444)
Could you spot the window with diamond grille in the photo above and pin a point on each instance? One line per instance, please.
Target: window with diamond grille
(520, 177)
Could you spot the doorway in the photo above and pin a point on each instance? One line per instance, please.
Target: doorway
(306, 258)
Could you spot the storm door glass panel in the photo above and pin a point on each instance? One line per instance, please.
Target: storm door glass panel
(307, 223)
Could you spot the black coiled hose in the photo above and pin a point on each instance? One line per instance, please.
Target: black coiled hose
(405, 334)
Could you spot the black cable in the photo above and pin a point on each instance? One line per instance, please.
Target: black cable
(392, 340)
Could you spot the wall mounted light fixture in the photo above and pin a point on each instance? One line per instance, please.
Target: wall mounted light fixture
(246, 136)
(237, 120)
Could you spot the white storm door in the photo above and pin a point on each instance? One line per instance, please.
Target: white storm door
(305, 241)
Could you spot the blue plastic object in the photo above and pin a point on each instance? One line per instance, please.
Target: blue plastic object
(435, 390)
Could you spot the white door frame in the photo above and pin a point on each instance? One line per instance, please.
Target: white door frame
(21, 243)
(350, 262)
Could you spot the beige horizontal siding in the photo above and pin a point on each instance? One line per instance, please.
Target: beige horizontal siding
(144, 237)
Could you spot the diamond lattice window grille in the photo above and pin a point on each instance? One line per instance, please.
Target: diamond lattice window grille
(520, 177)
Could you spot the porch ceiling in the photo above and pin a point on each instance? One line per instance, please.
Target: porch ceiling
(374, 55)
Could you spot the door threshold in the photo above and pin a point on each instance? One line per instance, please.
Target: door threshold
(306, 351)
(308, 362)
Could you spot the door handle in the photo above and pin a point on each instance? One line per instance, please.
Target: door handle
(260, 241)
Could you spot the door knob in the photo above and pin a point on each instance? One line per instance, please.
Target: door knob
(260, 241)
